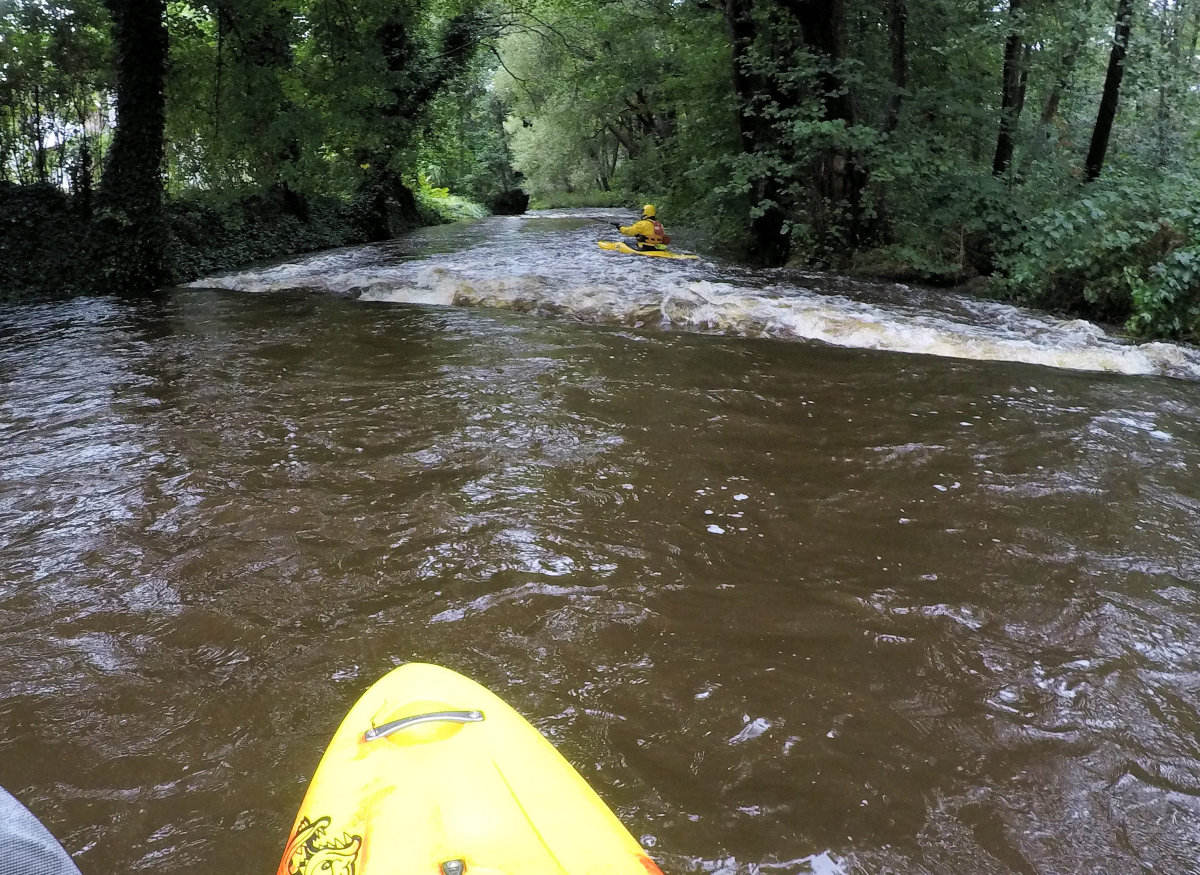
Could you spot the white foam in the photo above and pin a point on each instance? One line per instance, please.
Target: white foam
(562, 274)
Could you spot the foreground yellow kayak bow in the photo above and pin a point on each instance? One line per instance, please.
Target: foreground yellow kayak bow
(432, 774)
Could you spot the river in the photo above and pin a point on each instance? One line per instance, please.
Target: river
(806, 575)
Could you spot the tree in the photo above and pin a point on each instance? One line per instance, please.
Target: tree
(841, 176)
(53, 91)
(623, 101)
(1078, 24)
(264, 118)
(1011, 96)
(129, 238)
(798, 124)
(1112, 92)
(754, 88)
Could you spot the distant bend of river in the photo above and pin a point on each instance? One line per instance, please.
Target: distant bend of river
(804, 575)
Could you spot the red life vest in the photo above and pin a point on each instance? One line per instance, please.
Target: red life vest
(660, 234)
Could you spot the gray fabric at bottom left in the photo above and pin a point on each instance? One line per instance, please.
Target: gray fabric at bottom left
(27, 847)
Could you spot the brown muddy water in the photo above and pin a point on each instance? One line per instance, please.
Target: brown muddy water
(791, 602)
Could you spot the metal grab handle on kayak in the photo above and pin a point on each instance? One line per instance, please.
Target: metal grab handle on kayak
(387, 729)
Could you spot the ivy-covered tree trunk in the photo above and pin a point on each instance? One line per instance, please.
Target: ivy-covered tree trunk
(413, 76)
(128, 234)
(1112, 92)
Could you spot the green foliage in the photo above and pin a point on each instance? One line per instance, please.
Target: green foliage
(945, 213)
(631, 99)
(41, 242)
(317, 97)
(443, 207)
(54, 85)
(1125, 249)
(1166, 298)
(579, 200)
(464, 146)
(293, 107)
(210, 235)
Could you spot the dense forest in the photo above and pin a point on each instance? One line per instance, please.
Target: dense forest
(1045, 151)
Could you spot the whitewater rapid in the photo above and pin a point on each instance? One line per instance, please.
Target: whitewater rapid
(546, 264)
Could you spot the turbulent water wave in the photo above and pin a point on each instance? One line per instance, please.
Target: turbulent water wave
(701, 305)
(544, 267)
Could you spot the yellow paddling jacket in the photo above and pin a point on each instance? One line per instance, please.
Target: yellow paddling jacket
(647, 231)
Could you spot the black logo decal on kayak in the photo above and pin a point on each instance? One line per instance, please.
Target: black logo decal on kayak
(310, 852)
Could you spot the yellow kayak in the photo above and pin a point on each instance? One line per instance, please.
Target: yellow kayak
(431, 774)
(622, 246)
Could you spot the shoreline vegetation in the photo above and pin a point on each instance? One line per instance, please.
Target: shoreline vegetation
(1037, 153)
(46, 242)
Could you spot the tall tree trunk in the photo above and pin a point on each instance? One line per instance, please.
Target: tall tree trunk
(768, 244)
(1112, 92)
(217, 83)
(1191, 40)
(129, 234)
(39, 137)
(81, 184)
(765, 98)
(1050, 110)
(898, 45)
(841, 178)
(1010, 98)
(1023, 82)
(822, 24)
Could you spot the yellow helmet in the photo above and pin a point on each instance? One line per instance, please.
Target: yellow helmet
(648, 211)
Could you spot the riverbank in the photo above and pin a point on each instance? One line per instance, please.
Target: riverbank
(47, 247)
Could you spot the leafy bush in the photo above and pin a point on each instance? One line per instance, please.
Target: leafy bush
(441, 207)
(208, 236)
(944, 216)
(1122, 249)
(1165, 301)
(42, 241)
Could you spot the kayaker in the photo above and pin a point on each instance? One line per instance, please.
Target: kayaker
(647, 231)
